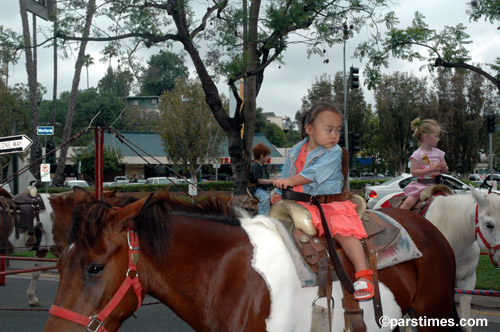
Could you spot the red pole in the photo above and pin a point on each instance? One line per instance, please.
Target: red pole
(99, 143)
(2, 269)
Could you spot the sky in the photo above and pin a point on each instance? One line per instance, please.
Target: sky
(285, 84)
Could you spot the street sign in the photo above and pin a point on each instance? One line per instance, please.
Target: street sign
(45, 172)
(45, 130)
(13, 144)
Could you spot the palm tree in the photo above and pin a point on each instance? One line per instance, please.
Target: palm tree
(88, 60)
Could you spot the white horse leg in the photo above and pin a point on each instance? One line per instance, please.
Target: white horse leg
(466, 279)
(30, 293)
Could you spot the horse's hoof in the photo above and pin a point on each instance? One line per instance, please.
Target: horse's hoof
(34, 303)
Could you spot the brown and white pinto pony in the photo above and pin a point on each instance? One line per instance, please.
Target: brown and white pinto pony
(221, 272)
(55, 222)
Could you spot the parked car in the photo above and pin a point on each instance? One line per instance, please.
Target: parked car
(120, 180)
(72, 183)
(475, 178)
(161, 180)
(374, 193)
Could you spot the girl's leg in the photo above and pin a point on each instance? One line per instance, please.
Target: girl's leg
(409, 202)
(355, 252)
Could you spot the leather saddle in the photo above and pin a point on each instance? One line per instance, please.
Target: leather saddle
(25, 208)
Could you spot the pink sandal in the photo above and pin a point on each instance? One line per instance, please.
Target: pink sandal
(362, 286)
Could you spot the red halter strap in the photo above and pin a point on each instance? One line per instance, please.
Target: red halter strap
(95, 323)
(491, 250)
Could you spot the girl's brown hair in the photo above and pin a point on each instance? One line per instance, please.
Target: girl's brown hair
(422, 127)
(317, 108)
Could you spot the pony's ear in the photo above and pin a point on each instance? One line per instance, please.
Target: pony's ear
(131, 210)
(478, 197)
(81, 195)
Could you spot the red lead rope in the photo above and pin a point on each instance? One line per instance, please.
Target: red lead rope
(491, 250)
(96, 323)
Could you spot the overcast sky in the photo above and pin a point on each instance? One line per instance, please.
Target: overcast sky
(284, 85)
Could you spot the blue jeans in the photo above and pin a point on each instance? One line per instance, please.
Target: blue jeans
(264, 200)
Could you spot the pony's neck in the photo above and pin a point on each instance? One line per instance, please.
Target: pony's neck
(192, 275)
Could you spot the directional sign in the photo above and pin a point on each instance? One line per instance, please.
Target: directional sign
(45, 130)
(13, 144)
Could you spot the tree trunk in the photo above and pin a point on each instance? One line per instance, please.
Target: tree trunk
(54, 85)
(59, 176)
(32, 85)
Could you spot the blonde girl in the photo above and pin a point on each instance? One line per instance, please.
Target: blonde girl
(426, 162)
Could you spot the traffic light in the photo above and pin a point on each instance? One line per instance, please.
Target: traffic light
(354, 78)
(354, 145)
(490, 123)
(50, 158)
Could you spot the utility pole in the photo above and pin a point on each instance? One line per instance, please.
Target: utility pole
(346, 129)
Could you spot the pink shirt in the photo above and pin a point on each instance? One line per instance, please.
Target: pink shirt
(426, 159)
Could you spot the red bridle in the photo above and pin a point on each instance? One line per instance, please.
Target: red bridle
(95, 323)
(491, 250)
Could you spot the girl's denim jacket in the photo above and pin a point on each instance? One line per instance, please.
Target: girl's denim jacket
(322, 166)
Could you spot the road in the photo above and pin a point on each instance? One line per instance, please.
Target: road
(17, 316)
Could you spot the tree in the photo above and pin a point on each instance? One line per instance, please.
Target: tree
(32, 82)
(242, 42)
(90, 10)
(116, 83)
(111, 160)
(457, 102)
(191, 135)
(446, 48)
(400, 98)
(9, 51)
(14, 111)
(88, 61)
(162, 71)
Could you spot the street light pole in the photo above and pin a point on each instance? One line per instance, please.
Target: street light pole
(346, 129)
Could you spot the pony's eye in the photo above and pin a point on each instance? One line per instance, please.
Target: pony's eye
(490, 225)
(95, 269)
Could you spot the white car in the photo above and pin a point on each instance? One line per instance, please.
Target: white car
(374, 193)
(72, 183)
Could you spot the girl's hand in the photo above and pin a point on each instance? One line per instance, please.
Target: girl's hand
(275, 198)
(281, 183)
(443, 167)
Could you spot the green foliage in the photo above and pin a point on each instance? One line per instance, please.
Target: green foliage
(190, 133)
(111, 160)
(163, 69)
(489, 9)
(117, 84)
(487, 276)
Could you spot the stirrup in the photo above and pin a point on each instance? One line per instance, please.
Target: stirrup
(364, 286)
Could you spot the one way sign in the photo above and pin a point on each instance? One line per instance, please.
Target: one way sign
(13, 144)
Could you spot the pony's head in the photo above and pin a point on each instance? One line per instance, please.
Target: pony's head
(487, 223)
(95, 264)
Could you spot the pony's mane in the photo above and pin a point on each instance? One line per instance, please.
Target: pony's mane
(152, 223)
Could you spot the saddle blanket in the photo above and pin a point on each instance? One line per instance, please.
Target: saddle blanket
(402, 250)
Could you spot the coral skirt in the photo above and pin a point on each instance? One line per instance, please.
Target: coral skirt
(341, 218)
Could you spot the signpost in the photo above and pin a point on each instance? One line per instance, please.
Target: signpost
(45, 172)
(14, 144)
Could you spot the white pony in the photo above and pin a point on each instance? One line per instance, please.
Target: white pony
(469, 223)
